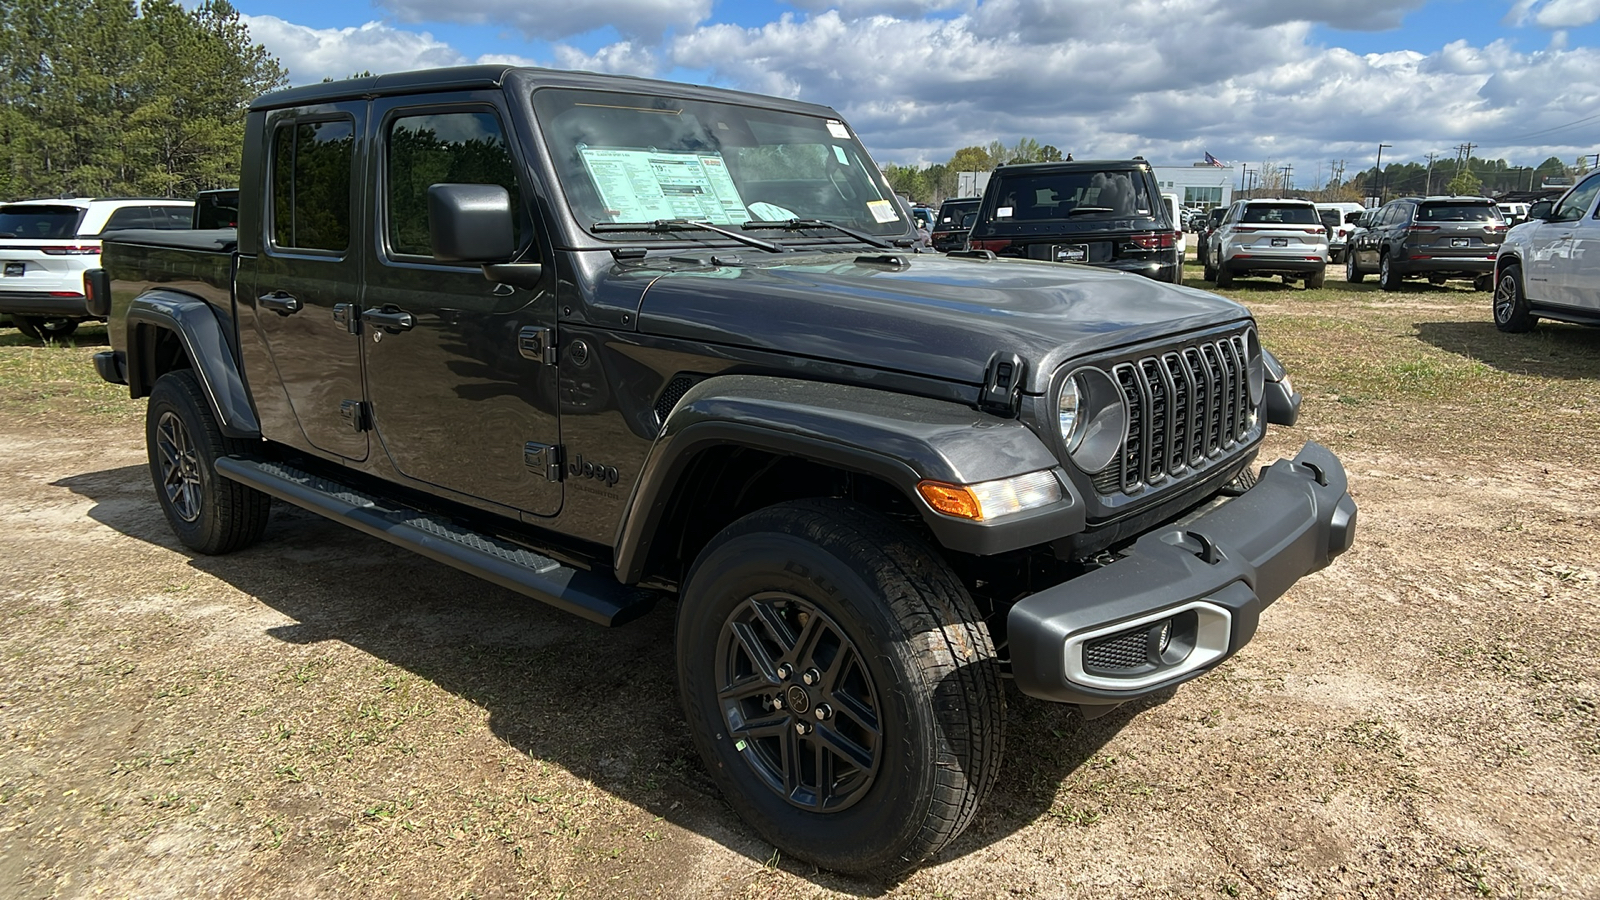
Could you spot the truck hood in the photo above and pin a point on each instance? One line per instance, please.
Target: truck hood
(934, 316)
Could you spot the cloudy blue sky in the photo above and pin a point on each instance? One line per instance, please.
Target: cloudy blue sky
(1250, 81)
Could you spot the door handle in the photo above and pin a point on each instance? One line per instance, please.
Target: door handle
(279, 302)
(391, 320)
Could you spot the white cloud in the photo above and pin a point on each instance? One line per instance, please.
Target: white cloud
(555, 19)
(1567, 13)
(624, 58)
(312, 54)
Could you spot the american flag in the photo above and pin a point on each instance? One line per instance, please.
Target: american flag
(1213, 161)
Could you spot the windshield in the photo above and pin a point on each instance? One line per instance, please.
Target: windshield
(40, 222)
(1280, 214)
(1458, 212)
(1076, 194)
(631, 158)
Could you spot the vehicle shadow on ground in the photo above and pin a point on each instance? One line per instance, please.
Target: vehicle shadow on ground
(599, 703)
(83, 337)
(1552, 350)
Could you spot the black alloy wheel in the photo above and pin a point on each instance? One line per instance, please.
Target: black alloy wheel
(180, 467)
(798, 702)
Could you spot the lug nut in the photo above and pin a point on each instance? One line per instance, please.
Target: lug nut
(802, 728)
(785, 673)
(824, 712)
(811, 676)
(777, 702)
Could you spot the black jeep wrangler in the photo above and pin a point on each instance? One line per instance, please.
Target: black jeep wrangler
(606, 341)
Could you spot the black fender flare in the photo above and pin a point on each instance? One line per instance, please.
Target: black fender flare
(205, 342)
(897, 438)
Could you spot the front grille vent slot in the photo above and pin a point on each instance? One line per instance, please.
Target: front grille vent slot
(1185, 406)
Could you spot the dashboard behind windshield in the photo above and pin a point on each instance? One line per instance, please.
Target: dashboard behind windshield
(631, 158)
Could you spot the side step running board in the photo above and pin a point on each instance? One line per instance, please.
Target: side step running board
(596, 597)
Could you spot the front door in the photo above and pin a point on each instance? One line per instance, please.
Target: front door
(462, 397)
(1571, 242)
(309, 268)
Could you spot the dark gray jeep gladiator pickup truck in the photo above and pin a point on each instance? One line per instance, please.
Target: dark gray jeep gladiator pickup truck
(603, 340)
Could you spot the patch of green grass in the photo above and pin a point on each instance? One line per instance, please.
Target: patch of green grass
(38, 379)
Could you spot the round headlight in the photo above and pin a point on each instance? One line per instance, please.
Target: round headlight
(1067, 411)
(1256, 366)
(1099, 420)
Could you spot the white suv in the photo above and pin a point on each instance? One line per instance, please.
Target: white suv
(1549, 266)
(47, 245)
(1266, 237)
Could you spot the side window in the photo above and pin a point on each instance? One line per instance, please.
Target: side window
(1574, 205)
(171, 218)
(442, 148)
(311, 164)
(128, 217)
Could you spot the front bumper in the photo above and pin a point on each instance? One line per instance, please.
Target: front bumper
(1098, 640)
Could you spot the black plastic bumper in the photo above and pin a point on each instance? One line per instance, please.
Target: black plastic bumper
(38, 303)
(1269, 264)
(1212, 576)
(112, 366)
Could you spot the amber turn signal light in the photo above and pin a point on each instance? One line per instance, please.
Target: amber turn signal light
(951, 499)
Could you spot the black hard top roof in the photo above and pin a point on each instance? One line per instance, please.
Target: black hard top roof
(480, 77)
(1069, 166)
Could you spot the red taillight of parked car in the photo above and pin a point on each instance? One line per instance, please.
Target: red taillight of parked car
(1498, 229)
(69, 251)
(991, 246)
(1156, 240)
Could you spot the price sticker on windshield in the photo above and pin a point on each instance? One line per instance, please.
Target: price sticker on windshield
(882, 210)
(838, 130)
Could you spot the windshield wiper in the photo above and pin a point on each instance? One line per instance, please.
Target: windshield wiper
(797, 224)
(1088, 210)
(665, 225)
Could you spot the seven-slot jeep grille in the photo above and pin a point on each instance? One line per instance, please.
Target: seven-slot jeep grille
(1185, 405)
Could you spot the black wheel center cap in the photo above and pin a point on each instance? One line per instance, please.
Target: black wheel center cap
(799, 700)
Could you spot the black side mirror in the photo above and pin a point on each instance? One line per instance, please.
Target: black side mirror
(1541, 210)
(470, 223)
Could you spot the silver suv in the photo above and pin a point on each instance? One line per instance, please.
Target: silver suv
(47, 245)
(1267, 237)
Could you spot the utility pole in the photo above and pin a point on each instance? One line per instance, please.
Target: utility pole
(1428, 189)
(1288, 178)
(1379, 167)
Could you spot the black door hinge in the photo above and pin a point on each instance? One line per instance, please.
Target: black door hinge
(357, 414)
(543, 459)
(1002, 385)
(348, 316)
(537, 343)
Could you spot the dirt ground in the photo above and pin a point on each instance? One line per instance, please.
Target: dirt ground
(323, 715)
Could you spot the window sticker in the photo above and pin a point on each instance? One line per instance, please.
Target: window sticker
(838, 130)
(1003, 212)
(838, 153)
(645, 185)
(882, 211)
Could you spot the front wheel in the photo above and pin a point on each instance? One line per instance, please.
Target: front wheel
(1511, 312)
(840, 685)
(209, 513)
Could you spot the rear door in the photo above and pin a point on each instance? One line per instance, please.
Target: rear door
(308, 272)
(462, 395)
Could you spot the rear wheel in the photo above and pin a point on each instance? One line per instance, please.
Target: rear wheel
(44, 328)
(1224, 277)
(1511, 312)
(1388, 278)
(840, 684)
(1317, 279)
(209, 513)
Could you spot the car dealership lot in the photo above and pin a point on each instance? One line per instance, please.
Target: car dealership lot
(326, 715)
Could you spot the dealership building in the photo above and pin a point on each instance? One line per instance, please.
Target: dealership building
(1200, 186)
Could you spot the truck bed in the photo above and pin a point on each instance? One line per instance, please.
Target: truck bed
(198, 263)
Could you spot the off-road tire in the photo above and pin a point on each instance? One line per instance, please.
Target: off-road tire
(1317, 279)
(923, 647)
(44, 328)
(1511, 312)
(1388, 278)
(1352, 272)
(210, 514)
